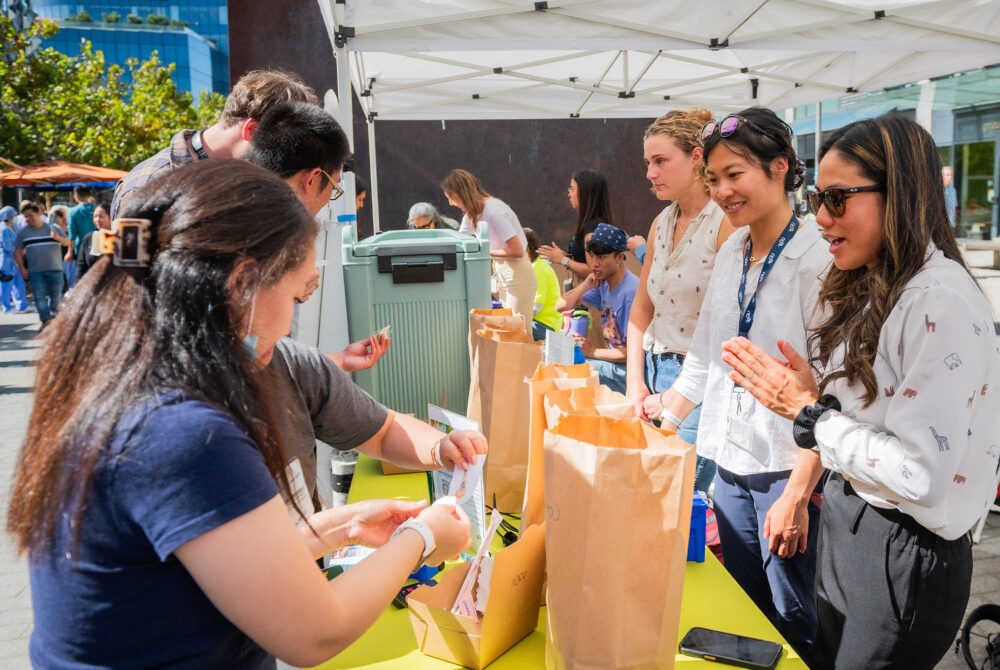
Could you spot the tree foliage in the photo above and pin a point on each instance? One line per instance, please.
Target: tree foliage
(79, 109)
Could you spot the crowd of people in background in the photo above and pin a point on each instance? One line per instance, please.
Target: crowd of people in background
(848, 359)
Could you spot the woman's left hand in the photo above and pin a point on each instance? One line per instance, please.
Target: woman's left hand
(459, 448)
(363, 354)
(787, 526)
(373, 521)
(784, 388)
(552, 253)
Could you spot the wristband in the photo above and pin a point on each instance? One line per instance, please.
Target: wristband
(804, 426)
(667, 415)
(436, 453)
(425, 533)
(565, 261)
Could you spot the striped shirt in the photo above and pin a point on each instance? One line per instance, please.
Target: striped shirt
(41, 252)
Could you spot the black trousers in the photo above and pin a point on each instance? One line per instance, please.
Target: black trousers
(889, 592)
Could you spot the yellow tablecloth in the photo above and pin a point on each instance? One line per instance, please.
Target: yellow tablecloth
(711, 600)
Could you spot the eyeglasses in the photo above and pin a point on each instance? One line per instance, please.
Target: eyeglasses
(728, 126)
(337, 191)
(835, 199)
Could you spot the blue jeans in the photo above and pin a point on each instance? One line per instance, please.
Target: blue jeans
(538, 330)
(47, 287)
(69, 269)
(782, 588)
(13, 295)
(611, 374)
(661, 372)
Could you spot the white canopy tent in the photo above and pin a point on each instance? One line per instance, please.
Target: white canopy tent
(507, 59)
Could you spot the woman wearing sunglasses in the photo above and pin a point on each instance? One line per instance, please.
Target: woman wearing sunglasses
(764, 286)
(508, 245)
(684, 240)
(902, 410)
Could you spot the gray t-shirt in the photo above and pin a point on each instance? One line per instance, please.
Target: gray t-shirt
(320, 401)
(42, 253)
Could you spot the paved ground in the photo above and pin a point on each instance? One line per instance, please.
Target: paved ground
(18, 349)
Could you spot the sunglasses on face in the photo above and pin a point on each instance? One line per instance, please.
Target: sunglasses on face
(835, 199)
(337, 191)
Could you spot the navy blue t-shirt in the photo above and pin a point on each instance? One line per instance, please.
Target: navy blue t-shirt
(177, 468)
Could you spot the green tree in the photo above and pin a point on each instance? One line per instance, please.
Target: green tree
(134, 19)
(80, 109)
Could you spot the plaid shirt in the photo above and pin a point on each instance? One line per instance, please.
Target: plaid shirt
(157, 165)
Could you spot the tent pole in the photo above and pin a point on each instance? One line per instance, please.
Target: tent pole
(374, 175)
(345, 99)
(819, 136)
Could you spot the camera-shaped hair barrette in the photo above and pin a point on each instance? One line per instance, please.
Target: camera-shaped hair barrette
(128, 243)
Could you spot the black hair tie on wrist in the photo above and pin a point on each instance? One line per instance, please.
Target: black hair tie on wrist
(805, 423)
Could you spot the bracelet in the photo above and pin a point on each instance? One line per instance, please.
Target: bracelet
(667, 415)
(436, 453)
(804, 426)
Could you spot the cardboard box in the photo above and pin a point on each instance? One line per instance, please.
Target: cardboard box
(393, 469)
(512, 611)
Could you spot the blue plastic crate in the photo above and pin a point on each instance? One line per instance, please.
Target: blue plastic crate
(696, 540)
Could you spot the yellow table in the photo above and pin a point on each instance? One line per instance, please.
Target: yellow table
(712, 599)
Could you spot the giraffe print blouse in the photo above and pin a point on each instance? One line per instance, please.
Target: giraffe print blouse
(930, 443)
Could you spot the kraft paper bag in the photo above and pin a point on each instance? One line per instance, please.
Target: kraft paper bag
(618, 494)
(495, 319)
(499, 402)
(548, 377)
(511, 613)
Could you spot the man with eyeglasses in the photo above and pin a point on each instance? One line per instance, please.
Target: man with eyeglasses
(306, 147)
(249, 100)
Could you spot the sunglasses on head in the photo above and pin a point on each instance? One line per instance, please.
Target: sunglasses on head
(835, 199)
(728, 126)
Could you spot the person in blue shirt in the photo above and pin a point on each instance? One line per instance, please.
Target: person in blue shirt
(13, 296)
(151, 493)
(609, 288)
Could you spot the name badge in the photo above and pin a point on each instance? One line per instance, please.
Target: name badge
(300, 492)
(740, 432)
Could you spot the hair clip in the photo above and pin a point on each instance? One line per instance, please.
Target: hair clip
(128, 242)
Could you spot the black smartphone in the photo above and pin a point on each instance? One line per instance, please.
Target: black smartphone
(746, 652)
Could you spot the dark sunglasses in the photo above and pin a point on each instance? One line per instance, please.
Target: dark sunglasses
(728, 126)
(835, 199)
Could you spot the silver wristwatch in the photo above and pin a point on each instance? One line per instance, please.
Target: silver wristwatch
(565, 261)
(425, 532)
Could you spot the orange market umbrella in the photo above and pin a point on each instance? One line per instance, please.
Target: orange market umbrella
(59, 174)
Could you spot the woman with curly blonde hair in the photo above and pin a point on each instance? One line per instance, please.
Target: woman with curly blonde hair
(682, 244)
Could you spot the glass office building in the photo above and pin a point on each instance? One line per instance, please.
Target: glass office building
(200, 51)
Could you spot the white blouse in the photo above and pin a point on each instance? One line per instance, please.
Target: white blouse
(929, 444)
(786, 305)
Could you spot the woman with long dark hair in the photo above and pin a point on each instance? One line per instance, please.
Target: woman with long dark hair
(588, 195)
(899, 401)
(508, 245)
(764, 286)
(148, 492)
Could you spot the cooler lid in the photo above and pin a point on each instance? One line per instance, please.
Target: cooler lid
(415, 240)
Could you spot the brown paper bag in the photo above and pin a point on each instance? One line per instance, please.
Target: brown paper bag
(499, 402)
(618, 493)
(547, 377)
(511, 613)
(496, 319)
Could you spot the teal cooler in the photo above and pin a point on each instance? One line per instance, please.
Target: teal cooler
(423, 283)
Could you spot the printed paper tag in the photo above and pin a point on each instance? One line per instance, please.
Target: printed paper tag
(299, 491)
